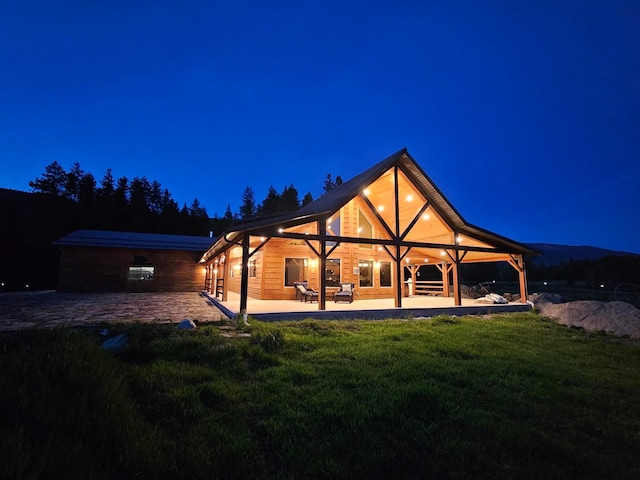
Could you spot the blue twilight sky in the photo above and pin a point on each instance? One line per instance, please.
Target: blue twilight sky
(526, 114)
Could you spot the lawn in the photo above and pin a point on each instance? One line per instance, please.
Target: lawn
(511, 396)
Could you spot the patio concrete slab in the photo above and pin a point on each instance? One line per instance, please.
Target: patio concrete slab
(415, 306)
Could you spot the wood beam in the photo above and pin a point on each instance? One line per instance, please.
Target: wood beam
(322, 297)
(415, 220)
(244, 278)
(399, 282)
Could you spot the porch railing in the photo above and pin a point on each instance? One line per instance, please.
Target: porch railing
(429, 287)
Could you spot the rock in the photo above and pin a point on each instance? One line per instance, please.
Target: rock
(539, 298)
(619, 318)
(116, 343)
(186, 324)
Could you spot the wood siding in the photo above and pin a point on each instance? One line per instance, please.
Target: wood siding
(94, 269)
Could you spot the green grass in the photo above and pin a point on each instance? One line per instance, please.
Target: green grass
(513, 396)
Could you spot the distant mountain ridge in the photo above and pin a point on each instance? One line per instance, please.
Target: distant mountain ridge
(553, 254)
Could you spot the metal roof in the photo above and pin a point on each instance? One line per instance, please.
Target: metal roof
(342, 194)
(154, 241)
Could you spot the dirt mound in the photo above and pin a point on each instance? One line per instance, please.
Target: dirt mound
(619, 318)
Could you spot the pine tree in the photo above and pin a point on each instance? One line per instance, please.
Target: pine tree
(52, 181)
(248, 207)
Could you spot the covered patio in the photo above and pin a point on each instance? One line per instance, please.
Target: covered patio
(377, 308)
(383, 228)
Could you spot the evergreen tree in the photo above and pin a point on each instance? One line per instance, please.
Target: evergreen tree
(308, 198)
(289, 199)
(271, 204)
(248, 207)
(228, 216)
(72, 185)
(52, 181)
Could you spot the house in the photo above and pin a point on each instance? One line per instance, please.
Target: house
(94, 260)
(388, 223)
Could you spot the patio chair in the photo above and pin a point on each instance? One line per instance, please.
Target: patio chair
(345, 294)
(309, 294)
(300, 293)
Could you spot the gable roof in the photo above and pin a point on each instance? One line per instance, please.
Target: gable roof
(153, 241)
(335, 199)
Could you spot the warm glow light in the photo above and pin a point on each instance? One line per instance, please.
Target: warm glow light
(409, 198)
(443, 253)
(262, 239)
(426, 259)
(458, 239)
(426, 216)
(281, 230)
(376, 264)
(366, 191)
(313, 263)
(359, 229)
(215, 270)
(381, 208)
(380, 249)
(306, 233)
(407, 260)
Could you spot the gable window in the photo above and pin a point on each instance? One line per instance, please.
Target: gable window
(366, 272)
(141, 273)
(333, 272)
(295, 270)
(365, 229)
(333, 227)
(385, 274)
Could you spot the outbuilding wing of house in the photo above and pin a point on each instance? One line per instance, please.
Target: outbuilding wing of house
(366, 232)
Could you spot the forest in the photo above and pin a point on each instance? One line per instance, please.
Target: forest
(62, 201)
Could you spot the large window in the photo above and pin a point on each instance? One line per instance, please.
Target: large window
(333, 272)
(141, 273)
(333, 227)
(385, 274)
(366, 273)
(295, 270)
(365, 229)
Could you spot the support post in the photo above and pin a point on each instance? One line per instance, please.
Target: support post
(399, 281)
(445, 279)
(244, 279)
(227, 274)
(524, 290)
(322, 297)
(457, 294)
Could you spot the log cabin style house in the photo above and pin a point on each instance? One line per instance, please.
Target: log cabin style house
(367, 232)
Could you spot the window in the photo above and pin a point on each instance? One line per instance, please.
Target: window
(365, 229)
(295, 270)
(366, 273)
(333, 272)
(140, 273)
(333, 227)
(252, 268)
(385, 274)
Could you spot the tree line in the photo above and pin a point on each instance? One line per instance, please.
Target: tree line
(143, 205)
